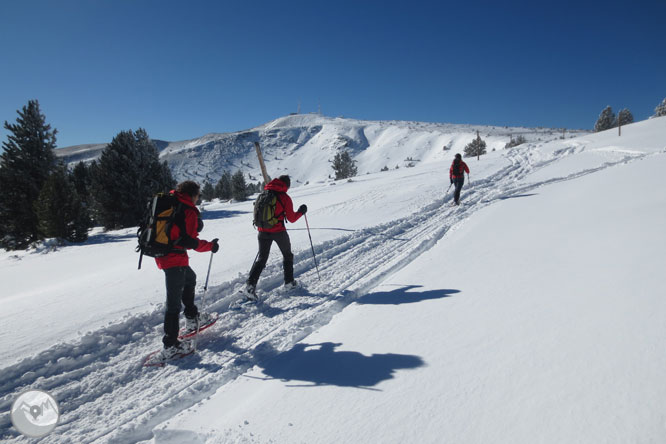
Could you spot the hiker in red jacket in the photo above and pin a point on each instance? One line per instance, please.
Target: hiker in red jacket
(284, 209)
(180, 278)
(457, 176)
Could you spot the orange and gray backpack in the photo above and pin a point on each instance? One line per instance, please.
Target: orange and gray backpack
(154, 234)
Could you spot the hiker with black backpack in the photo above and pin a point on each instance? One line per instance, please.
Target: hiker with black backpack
(180, 278)
(272, 208)
(457, 176)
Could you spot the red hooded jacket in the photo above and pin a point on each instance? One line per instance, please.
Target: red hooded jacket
(188, 240)
(283, 208)
(458, 174)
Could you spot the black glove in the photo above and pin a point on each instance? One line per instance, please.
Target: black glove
(216, 247)
(199, 225)
(303, 209)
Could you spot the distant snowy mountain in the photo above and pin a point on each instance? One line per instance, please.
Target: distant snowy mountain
(303, 144)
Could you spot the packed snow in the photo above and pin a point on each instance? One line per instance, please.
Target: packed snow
(532, 312)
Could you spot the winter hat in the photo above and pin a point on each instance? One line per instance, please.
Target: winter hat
(458, 156)
(286, 180)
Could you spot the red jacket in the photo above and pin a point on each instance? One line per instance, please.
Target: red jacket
(283, 208)
(188, 240)
(457, 174)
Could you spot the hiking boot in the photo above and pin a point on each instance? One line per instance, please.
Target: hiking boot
(191, 324)
(291, 285)
(180, 348)
(250, 292)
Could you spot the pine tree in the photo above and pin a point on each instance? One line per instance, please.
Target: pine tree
(344, 166)
(80, 178)
(660, 110)
(223, 187)
(238, 186)
(476, 147)
(207, 192)
(606, 120)
(253, 188)
(127, 174)
(25, 165)
(515, 142)
(61, 212)
(624, 117)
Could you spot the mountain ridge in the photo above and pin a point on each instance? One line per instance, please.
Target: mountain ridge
(304, 144)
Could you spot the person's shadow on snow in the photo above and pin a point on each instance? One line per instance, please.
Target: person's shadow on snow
(402, 295)
(321, 364)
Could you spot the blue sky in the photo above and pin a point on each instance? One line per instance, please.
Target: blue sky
(181, 69)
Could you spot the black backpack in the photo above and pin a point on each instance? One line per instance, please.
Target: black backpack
(264, 209)
(458, 168)
(162, 212)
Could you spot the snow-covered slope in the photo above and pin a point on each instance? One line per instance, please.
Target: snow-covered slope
(533, 312)
(302, 145)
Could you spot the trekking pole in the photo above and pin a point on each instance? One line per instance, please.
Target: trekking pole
(447, 190)
(210, 262)
(203, 299)
(312, 246)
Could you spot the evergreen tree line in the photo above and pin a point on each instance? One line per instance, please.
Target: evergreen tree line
(230, 187)
(608, 120)
(42, 198)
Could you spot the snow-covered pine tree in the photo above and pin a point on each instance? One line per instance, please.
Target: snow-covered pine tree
(60, 211)
(606, 120)
(344, 166)
(624, 117)
(476, 147)
(238, 186)
(660, 110)
(25, 164)
(127, 174)
(515, 142)
(223, 187)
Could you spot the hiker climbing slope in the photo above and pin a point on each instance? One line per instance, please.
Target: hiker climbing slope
(180, 278)
(270, 222)
(457, 176)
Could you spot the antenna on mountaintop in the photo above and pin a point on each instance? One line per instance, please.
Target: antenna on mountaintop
(319, 105)
(298, 110)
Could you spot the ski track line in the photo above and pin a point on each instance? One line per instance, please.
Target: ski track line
(99, 380)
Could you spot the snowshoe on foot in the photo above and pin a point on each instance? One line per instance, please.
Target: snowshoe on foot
(181, 348)
(250, 292)
(201, 321)
(292, 285)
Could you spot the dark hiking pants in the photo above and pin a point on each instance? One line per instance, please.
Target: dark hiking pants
(281, 238)
(180, 283)
(458, 182)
